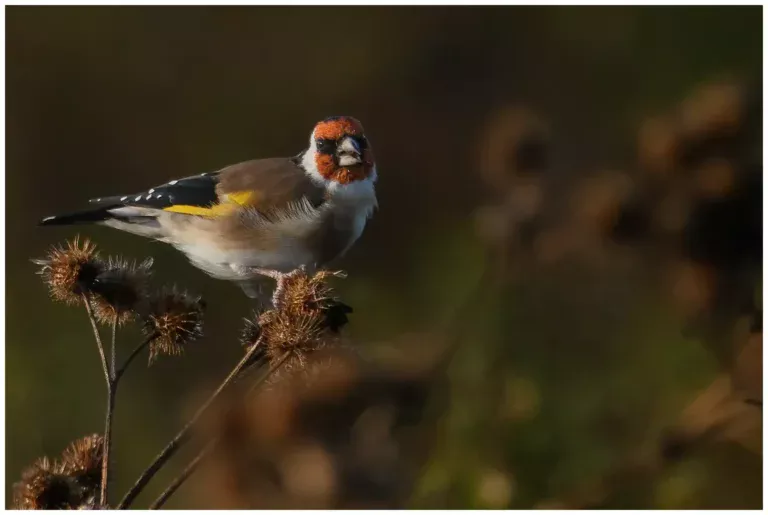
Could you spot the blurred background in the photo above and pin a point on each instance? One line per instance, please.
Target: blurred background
(560, 295)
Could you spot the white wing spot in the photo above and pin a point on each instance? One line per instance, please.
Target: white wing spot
(149, 196)
(172, 183)
(152, 190)
(137, 198)
(123, 199)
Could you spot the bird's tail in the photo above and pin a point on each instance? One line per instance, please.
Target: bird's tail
(134, 219)
(89, 216)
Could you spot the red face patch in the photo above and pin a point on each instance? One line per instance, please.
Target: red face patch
(344, 174)
(335, 129)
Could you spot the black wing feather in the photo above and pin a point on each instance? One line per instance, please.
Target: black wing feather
(198, 190)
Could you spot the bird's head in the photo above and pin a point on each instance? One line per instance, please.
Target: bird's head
(339, 152)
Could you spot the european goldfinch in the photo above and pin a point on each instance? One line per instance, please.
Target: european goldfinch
(264, 217)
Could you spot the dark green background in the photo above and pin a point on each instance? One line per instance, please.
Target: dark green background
(113, 100)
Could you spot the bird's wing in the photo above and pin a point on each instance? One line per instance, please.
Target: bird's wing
(266, 185)
(269, 185)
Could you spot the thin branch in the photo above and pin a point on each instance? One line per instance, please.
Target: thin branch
(181, 478)
(107, 444)
(113, 355)
(256, 363)
(120, 371)
(111, 396)
(272, 369)
(88, 308)
(192, 467)
(183, 435)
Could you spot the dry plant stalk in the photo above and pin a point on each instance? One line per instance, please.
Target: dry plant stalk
(304, 302)
(114, 292)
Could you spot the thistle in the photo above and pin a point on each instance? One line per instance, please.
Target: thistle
(307, 318)
(83, 461)
(45, 486)
(70, 272)
(120, 287)
(174, 319)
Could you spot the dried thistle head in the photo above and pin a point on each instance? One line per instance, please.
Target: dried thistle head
(307, 318)
(303, 293)
(45, 486)
(174, 319)
(297, 335)
(82, 460)
(70, 271)
(120, 288)
(251, 332)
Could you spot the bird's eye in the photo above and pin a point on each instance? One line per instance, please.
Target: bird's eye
(363, 142)
(326, 146)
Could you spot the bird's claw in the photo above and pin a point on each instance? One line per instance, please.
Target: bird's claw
(282, 278)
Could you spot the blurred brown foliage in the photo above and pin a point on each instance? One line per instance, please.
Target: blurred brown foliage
(346, 434)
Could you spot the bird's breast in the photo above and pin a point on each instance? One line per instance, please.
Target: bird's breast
(338, 232)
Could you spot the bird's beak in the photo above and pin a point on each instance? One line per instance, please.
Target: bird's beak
(349, 152)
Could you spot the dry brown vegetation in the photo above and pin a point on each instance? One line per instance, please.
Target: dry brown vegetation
(305, 318)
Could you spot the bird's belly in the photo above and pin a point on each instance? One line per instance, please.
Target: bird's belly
(231, 254)
(237, 265)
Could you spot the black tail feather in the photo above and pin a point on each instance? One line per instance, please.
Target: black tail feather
(80, 217)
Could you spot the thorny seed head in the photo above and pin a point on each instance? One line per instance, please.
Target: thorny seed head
(82, 460)
(304, 293)
(307, 318)
(72, 483)
(251, 332)
(70, 271)
(173, 320)
(120, 288)
(298, 335)
(45, 486)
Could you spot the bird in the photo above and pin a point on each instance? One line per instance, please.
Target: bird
(259, 218)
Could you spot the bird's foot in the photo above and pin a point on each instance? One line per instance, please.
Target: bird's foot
(282, 278)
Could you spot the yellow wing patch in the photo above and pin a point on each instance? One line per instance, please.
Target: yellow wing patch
(238, 198)
(245, 198)
(213, 211)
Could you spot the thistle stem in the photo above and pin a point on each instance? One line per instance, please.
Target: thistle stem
(182, 436)
(192, 466)
(112, 391)
(120, 371)
(272, 369)
(112, 355)
(181, 478)
(96, 334)
(110, 396)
